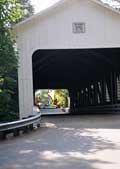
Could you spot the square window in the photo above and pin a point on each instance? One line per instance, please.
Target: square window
(78, 27)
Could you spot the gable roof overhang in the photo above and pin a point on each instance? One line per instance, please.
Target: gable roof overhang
(59, 3)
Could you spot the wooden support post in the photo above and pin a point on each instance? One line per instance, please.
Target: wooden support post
(99, 91)
(26, 129)
(38, 124)
(92, 94)
(31, 127)
(78, 98)
(16, 132)
(89, 96)
(72, 101)
(86, 96)
(95, 93)
(82, 97)
(103, 83)
(111, 92)
(2, 135)
(114, 87)
(110, 89)
(118, 88)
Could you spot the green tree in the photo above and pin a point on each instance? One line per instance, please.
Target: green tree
(42, 95)
(13, 11)
(27, 9)
(8, 76)
(10, 12)
(61, 95)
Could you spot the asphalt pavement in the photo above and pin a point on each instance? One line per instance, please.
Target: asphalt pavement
(66, 142)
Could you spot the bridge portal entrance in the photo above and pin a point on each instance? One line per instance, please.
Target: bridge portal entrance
(92, 76)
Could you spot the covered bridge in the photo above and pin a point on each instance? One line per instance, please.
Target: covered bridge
(75, 44)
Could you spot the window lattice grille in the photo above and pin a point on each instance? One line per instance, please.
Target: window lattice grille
(78, 27)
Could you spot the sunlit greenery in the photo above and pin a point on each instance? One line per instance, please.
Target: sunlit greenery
(61, 97)
(58, 99)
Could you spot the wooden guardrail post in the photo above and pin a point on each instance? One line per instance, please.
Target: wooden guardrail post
(31, 127)
(2, 135)
(16, 132)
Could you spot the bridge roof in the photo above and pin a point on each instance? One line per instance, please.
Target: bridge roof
(59, 3)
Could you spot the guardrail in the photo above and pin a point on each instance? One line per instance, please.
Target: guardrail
(21, 125)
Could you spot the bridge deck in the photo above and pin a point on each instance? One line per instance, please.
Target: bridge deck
(80, 142)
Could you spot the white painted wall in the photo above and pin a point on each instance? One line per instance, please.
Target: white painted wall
(53, 30)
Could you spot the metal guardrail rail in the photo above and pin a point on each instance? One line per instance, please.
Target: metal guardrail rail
(16, 126)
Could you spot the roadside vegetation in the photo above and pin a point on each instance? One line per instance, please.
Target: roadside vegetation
(11, 12)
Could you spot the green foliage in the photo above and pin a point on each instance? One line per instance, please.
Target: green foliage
(61, 95)
(8, 77)
(7, 52)
(13, 11)
(27, 9)
(9, 13)
(43, 96)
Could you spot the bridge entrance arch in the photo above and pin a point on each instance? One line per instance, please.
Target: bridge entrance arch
(92, 76)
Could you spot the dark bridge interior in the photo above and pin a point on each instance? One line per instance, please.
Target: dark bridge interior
(92, 76)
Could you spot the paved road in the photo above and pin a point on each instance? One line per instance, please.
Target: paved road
(81, 142)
